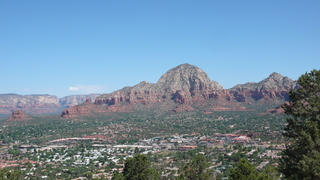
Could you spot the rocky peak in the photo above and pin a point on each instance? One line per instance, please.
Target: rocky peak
(274, 81)
(277, 81)
(186, 77)
(274, 86)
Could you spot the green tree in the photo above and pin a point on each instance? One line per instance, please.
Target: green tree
(6, 173)
(244, 171)
(196, 169)
(137, 168)
(117, 176)
(301, 159)
(270, 172)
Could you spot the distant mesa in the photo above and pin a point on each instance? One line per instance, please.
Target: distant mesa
(40, 104)
(188, 88)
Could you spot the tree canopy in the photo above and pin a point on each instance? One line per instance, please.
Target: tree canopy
(137, 168)
(196, 169)
(301, 159)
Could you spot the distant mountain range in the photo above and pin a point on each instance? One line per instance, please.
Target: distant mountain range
(188, 88)
(183, 88)
(40, 104)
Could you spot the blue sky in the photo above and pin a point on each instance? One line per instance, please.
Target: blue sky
(79, 46)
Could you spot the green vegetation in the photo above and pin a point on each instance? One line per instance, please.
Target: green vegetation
(137, 168)
(133, 126)
(196, 169)
(246, 171)
(11, 174)
(301, 159)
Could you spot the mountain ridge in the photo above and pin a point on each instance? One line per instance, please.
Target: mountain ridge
(186, 88)
(182, 88)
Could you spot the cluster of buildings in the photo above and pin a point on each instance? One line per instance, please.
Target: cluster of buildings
(101, 152)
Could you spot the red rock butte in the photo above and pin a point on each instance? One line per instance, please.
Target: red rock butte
(18, 115)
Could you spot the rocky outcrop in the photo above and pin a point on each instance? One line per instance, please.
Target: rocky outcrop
(275, 86)
(186, 78)
(18, 115)
(277, 110)
(87, 108)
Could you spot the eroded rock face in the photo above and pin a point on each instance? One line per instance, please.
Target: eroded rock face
(275, 86)
(18, 115)
(186, 78)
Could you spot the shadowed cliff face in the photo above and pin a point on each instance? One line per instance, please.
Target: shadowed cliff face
(187, 87)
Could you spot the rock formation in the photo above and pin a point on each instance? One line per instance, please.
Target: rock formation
(275, 86)
(185, 84)
(183, 88)
(87, 108)
(186, 88)
(18, 115)
(277, 110)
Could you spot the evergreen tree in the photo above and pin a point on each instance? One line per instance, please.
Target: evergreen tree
(117, 176)
(244, 171)
(196, 169)
(270, 172)
(301, 159)
(137, 168)
(8, 174)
